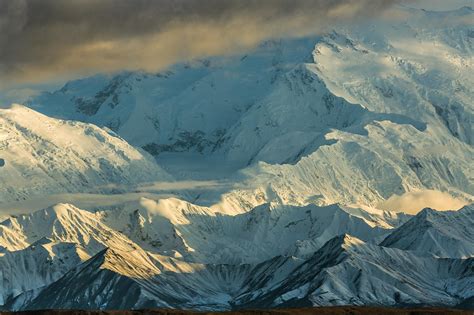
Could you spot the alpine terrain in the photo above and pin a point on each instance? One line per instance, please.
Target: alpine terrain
(307, 172)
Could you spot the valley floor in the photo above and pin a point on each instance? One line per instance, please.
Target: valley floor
(353, 310)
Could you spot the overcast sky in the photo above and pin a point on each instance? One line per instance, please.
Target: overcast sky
(442, 4)
(44, 42)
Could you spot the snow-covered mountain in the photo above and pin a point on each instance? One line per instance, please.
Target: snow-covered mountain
(37, 265)
(347, 271)
(443, 234)
(321, 119)
(39, 248)
(188, 107)
(180, 229)
(197, 259)
(412, 82)
(264, 175)
(61, 223)
(42, 155)
(340, 273)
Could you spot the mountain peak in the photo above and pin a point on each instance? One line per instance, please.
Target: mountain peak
(63, 214)
(338, 245)
(441, 233)
(60, 156)
(428, 214)
(66, 209)
(134, 263)
(349, 240)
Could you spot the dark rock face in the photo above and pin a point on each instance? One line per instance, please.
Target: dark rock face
(187, 141)
(90, 107)
(457, 120)
(2, 162)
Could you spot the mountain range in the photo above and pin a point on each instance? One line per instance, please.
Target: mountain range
(254, 180)
(65, 257)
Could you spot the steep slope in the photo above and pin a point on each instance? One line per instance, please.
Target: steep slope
(444, 234)
(412, 125)
(41, 247)
(148, 281)
(189, 107)
(348, 271)
(180, 229)
(93, 285)
(170, 253)
(61, 223)
(275, 132)
(38, 265)
(415, 66)
(42, 155)
(344, 271)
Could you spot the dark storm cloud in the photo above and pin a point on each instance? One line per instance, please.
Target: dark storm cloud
(41, 39)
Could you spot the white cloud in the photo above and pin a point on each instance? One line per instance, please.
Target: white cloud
(414, 202)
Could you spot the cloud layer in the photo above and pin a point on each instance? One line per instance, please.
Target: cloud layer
(414, 202)
(44, 39)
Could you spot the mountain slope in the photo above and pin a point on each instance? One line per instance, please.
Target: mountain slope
(92, 286)
(344, 271)
(169, 253)
(180, 229)
(444, 234)
(185, 108)
(39, 264)
(41, 247)
(294, 118)
(348, 271)
(61, 223)
(340, 112)
(42, 155)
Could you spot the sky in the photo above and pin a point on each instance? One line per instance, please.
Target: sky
(440, 5)
(44, 43)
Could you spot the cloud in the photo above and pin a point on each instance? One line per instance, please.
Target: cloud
(19, 95)
(91, 201)
(83, 201)
(183, 185)
(442, 4)
(414, 202)
(44, 39)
